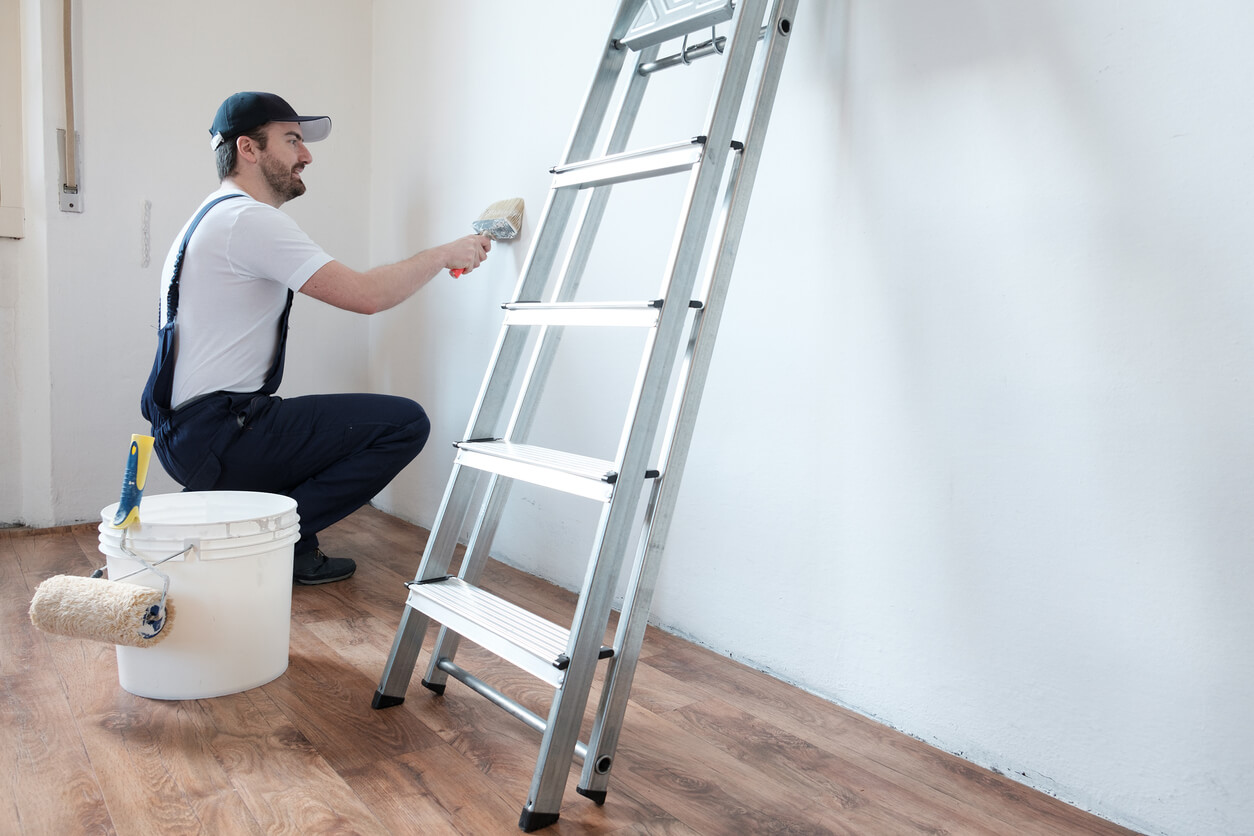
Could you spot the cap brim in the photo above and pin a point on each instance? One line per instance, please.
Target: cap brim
(314, 128)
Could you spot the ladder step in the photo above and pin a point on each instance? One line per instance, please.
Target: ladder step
(661, 20)
(518, 636)
(568, 472)
(630, 165)
(575, 313)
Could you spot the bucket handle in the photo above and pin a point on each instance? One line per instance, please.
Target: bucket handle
(147, 566)
(155, 618)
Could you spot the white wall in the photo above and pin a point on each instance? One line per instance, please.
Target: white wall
(25, 475)
(12, 214)
(974, 452)
(457, 127)
(149, 77)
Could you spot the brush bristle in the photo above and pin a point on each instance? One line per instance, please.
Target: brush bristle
(502, 219)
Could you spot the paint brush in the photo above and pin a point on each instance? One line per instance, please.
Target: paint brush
(501, 221)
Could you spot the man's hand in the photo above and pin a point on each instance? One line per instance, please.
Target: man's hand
(465, 254)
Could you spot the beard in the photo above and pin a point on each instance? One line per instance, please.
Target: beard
(283, 179)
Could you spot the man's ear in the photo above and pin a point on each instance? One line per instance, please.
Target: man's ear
(246, 148)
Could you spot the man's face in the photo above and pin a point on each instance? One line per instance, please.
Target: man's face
(283, 159)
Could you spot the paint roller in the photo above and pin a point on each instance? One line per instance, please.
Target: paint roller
(109, 610)
(501, 221)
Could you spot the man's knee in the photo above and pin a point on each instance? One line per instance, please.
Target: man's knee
(417, 428)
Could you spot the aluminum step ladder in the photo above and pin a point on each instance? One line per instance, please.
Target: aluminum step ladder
(637, 496)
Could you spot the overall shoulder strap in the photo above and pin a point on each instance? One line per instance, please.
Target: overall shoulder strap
(172, 296)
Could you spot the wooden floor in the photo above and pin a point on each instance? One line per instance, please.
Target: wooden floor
(708, 747)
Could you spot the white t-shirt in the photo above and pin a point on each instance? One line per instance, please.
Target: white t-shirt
(241, 261)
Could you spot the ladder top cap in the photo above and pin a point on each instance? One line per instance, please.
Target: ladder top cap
(661, 20)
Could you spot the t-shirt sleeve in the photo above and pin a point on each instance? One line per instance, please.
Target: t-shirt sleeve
(266, 243)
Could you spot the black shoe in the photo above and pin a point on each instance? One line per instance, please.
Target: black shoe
(315, 567)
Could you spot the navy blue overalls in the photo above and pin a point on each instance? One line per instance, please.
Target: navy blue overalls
(331, 453)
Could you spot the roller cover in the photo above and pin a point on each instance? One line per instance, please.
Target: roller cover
(109, 611)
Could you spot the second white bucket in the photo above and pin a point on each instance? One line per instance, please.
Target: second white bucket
(232, 591)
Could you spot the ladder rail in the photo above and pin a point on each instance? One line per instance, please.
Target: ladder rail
(607, 725)
(605, 80)
(577, 259)
(511, 341)
(545, 350)
(592, 612)
(436, 557)
(558, 207)
(699, 206)
(477, 547)
(662, 404)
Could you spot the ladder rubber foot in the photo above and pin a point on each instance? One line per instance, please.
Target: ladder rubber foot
(382, 700)
(437, 687)
(598, 796)
(531, 820)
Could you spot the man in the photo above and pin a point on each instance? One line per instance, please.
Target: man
(225, 306)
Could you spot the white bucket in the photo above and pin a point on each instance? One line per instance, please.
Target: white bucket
(232, 592)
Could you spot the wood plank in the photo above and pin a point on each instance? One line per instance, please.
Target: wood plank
(837, 783)
(435, 790)
(51, 786)
(698, 784)
(894, 756)
(286, 782)
(505, 748)
(709, 746)
(156, 772)
(15, 532)
(328, 701)
(135, 743)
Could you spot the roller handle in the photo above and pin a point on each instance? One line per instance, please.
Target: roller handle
(133, 481)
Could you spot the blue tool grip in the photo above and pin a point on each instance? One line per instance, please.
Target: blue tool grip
(133, 481)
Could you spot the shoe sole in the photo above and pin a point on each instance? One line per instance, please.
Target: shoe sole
(324, 580)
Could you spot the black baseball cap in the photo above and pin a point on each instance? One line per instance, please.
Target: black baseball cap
(242, 112)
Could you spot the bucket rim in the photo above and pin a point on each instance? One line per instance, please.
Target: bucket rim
(282, 505)
(207, 549)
